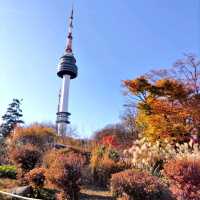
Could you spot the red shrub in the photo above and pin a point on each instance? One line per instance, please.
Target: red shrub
(184, 177)
(26, 157)
(36, 177)
(65, 174)
(135, 185)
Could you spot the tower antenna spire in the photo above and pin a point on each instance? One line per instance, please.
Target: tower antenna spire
(70, 29)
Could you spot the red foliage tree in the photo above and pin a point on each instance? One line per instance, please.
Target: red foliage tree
(110, 141)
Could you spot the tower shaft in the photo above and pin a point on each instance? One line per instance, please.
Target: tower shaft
(64, 96)
(63, 106)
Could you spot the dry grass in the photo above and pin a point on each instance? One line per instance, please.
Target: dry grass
(6, 184)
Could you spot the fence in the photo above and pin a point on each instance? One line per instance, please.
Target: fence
(17, 196)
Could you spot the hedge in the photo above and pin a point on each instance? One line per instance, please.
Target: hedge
(8, 171)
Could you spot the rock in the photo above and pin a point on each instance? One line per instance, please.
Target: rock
(22, 191)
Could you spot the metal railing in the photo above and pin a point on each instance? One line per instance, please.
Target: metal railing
(17, 196)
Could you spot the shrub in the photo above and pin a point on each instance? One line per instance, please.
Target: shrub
(86, 176)
(100, 152)
(60, 196)
(65, 174)
(7, 171)
(50, 156)
(3, 152)
(26, 157)
(96, 155)
(44, 193)
(135, 185)
(36, 177)
(104, 170)
(37, 135)
(184, 178)
(104, 162)
(114, 155)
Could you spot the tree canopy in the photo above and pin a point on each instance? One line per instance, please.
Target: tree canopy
(168, 101)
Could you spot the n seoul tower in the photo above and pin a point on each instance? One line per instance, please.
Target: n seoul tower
(67, 70)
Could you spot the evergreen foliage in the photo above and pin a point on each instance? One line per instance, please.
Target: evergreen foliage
(11, 118)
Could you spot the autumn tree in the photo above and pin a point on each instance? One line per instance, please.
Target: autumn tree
(11, 118)
(168, 101)
(116, 134)
(128, 119)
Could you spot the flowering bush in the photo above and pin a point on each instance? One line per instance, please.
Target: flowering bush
(135, 185)
(184, 177)
(36, 177)
(25, 157)
(65, 174)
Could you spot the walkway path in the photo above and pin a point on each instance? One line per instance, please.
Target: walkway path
(95, 194)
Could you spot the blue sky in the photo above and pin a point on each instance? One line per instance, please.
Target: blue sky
(113, 40)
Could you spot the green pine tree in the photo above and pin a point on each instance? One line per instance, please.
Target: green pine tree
(11, 118)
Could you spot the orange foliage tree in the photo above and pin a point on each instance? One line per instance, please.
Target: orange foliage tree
(168, 101)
